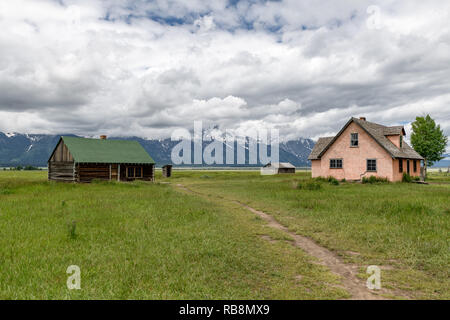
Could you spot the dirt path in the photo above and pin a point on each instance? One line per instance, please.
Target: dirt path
(347, 272)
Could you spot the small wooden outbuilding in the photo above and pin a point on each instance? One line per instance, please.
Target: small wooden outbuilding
(167, 171)
(277, 168)
(77, 159)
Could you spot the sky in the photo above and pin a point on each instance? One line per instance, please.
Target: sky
(146, 68)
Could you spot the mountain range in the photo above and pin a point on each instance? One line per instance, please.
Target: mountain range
(34, 149)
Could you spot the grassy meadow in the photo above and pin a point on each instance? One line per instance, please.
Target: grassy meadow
(404, 228)
(155, 241)
(142, 241)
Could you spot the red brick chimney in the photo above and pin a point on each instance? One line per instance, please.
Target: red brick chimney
(362, 118)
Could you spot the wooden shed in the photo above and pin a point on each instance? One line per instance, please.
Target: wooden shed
(277, 168)
(167, 171)
(77, 159)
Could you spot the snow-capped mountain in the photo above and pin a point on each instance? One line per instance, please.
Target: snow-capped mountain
(35, 149)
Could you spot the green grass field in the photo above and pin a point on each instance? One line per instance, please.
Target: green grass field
(404, 228)
(141, 241)
(154, 241)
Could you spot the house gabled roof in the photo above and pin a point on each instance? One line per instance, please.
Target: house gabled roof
(378, 132)
(319, 147)
(86, 150)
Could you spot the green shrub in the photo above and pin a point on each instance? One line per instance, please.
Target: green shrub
(343, 180)
(329, 179)
(406, 178)
(333, 181)
(5, 191)
(310, 185)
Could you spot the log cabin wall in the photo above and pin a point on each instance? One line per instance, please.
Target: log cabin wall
(62, 171)
(90, 171)
(149, 172)
(61, 153)
(61, 166)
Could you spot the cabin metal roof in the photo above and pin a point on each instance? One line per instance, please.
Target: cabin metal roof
(86, 150)
(280, 165)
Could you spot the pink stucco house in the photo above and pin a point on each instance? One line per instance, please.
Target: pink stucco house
(364, 149)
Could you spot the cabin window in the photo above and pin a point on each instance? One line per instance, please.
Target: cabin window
(354, 140)
(335, 163)
(415, 165)
(138, 172)
(401, 142)
(371, 165)
(134, 172)
(400, 165)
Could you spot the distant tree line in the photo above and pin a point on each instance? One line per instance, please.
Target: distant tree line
(20, 168)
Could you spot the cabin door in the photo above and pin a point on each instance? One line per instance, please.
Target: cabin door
(114, 172)
(407, 166)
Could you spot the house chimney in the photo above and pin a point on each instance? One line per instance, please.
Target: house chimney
(103, 137)
(362, 118)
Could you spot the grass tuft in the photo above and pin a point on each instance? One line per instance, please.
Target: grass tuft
(72, 227)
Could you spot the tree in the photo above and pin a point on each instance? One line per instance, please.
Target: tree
(428, 140)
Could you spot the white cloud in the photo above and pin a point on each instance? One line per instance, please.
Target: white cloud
(146, 67)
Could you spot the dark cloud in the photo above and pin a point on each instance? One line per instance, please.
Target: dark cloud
(142, 68)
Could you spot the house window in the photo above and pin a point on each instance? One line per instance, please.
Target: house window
(354, 140)
(372, 165)
(401, 142)
(335, 163)
(400, 165)
(415, 165)
(134, 172)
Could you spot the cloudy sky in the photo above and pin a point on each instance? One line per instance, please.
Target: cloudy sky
(144, 68)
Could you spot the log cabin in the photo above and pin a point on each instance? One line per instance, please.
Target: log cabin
(77, 159)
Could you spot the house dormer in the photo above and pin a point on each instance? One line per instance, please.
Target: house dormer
(395, 135)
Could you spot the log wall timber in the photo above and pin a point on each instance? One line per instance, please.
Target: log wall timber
(149, 173)
(90, 171)
(62, 171)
